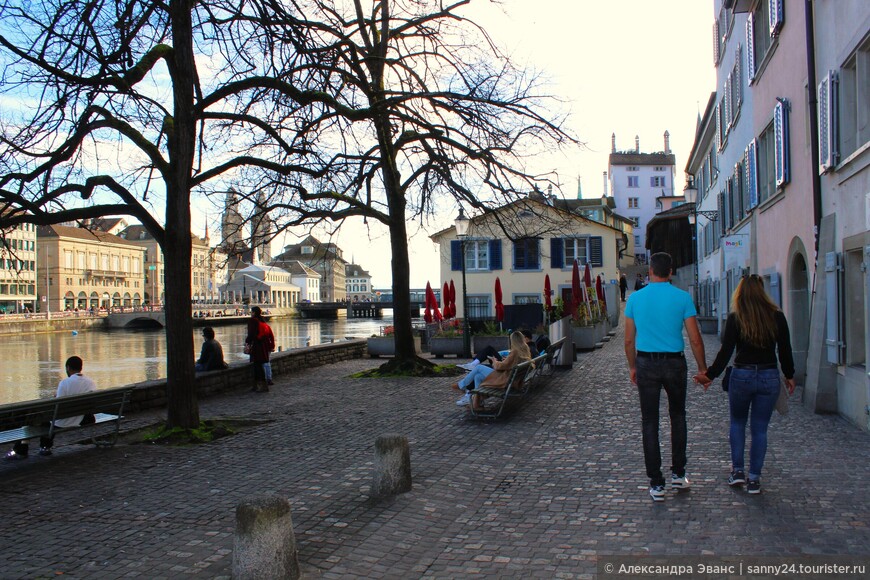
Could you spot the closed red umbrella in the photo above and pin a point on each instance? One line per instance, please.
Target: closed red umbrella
(445, 298)
(499, 307)
(452, 300)
(436, 312)
(548, 302)
(576, 293)
(587, 276)
(427, 315)
(599, 290)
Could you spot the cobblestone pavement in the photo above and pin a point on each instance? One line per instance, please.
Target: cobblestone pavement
(541, 494)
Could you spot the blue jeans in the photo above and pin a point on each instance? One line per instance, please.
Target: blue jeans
(752, 396)
(476, 376)
(653, 375)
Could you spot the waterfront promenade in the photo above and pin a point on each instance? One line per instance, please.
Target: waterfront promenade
(546, 493)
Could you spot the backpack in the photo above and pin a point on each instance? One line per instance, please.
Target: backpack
(264, 335)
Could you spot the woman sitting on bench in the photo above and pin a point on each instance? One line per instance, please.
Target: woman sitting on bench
(495, 376)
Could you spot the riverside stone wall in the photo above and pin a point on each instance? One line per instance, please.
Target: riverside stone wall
(152, 394)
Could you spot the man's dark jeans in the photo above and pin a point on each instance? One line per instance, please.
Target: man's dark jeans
(652, 376)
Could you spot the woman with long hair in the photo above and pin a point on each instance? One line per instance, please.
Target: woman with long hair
(757, 328)
(496, 373)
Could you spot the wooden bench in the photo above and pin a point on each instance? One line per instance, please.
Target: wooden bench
(519, 383)
(552, 352)
(31, 419)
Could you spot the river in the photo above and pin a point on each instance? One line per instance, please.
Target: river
(32, 364)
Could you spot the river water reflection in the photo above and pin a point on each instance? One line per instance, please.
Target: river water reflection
(32, 364)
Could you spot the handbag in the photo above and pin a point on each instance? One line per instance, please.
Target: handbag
(782, 401)
(726, 378)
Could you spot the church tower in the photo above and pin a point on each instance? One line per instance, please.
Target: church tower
(261, 239)
(232, 226)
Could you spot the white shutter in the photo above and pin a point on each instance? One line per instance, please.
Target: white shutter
(781, 138)
(752, 172)
(738, 77)
(833, 327)
(728, 107)
(828, 122)
(716, 41)
(750, 49)
(776, 16)
(718, 126)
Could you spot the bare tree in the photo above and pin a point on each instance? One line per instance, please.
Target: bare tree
(420, 111)
(130, 107)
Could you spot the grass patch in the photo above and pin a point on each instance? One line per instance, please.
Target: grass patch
(208, 431)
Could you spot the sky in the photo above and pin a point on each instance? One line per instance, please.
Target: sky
(629, 67)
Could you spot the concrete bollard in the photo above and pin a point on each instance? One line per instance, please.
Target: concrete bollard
(392, 466)
(264, 546)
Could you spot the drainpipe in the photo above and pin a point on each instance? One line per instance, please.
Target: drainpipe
(814, 129)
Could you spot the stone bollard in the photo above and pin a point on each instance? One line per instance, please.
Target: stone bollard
(264, 545)
(392, 466)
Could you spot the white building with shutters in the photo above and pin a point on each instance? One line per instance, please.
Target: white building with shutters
(837, 379)
(639, 182)
(543, 239)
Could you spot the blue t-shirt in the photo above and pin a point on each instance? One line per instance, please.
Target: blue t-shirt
(658, 311)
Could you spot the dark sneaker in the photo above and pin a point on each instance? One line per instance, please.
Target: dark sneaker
(12, 456)
(753, 487)
(269, 383)
(680, 482)
(737, 477)
(44, 451)
(657, 492)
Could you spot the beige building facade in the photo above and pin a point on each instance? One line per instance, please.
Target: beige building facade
(81, 269)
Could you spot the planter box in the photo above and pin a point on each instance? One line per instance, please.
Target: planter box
(440, 346)
(386, 346)
(562, 329)
(586, 337)
(499, 343)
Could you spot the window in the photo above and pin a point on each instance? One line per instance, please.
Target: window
(563, 251)
(762, 27)
(527, 299)
(68, 260)
(766, 169)
(659, 168)
(633, 180)
(854, 307)
(527, 254)
(479, 255)
(636, 240)
(854, 101)
(657, 181)
(478, 307)
(633, 168)
(633, 202)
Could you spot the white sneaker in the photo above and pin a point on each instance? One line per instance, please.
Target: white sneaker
(465, 400)
(678, 482)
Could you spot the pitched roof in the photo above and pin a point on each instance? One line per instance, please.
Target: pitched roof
(631, 158)
(81, 234)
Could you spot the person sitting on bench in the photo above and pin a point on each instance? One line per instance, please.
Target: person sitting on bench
(75, 384)
(495, 375)
(488, 351)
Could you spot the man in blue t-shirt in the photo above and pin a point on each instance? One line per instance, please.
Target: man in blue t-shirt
(654, 321)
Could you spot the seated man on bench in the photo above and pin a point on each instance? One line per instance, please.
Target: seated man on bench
(75, 384)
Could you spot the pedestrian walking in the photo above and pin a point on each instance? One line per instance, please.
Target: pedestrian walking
(258, 347)
(757, 328)
(623, 286)
(654, 348)
(638, 282)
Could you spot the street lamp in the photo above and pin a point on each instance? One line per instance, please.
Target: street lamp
(690, 193)
(462, 223)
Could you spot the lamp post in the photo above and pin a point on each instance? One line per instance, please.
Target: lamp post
(462, 223)
(691, 195)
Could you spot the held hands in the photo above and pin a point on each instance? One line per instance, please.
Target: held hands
(790, 385)
(703, 380)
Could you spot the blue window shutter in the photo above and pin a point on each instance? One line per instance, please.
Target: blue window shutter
(752, 172)
(777, 16)
(495, 254)
(596, 255)
(780, 132)
(455, 255)
(557, 255)
(750, 49)
(833, 313)
(775, 289)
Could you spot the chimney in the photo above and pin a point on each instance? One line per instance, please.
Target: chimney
(613, 143)
(605, 184)
(637, 144)
(667, 142)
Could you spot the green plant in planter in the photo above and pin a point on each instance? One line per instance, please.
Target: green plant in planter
(558, 308)
(449, 329)
(491, 328)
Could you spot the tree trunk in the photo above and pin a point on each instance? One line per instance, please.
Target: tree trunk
(182, 405)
